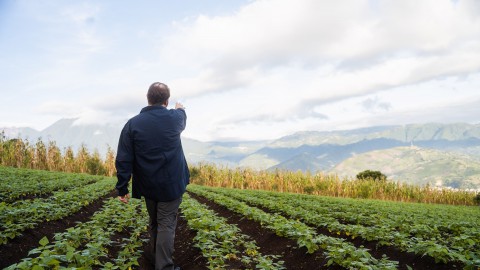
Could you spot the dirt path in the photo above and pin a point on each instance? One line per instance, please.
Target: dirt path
(186, 255)
(405, 259)
(269, 242)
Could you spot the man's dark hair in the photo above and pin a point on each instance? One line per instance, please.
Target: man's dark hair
(158, 94)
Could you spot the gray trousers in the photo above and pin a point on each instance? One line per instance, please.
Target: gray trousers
(163, 221)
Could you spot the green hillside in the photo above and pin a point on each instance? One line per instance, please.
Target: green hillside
(416, 165)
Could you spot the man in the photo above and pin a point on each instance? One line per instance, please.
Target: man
(150, 149)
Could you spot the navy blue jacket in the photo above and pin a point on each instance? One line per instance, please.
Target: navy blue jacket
(150, 149)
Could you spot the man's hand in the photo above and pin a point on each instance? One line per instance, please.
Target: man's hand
(124, 198)
(179, 105)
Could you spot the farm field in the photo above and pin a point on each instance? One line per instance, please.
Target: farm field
(51, 220)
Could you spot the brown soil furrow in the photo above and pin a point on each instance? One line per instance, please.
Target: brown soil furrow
(30, 197)
(186, 255)
(404, 258)
(269, 242)
(18, 248)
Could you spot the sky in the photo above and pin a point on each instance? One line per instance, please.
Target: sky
(244, 70)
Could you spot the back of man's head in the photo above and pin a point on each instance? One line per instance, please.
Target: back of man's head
(158, 94)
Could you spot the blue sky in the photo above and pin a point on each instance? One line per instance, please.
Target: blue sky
(244, 69)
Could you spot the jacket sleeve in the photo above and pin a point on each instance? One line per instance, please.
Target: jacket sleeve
(124, 160)
(182, 119)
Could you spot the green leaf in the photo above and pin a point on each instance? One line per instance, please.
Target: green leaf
(53, 262)
(44, 241)
(69, 255)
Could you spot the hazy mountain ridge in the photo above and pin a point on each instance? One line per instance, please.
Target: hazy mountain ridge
(326, 155)
(337, 153)
(408, 133)
(307, 151)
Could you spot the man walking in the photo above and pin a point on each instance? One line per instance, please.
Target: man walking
(151, 151)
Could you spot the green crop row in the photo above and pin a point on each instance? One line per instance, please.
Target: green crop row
(423, 236)
(371, 212)
(17, 183)
(220, 241)
(337, 250)
(87, 244)
(446, 233)
(21, 215)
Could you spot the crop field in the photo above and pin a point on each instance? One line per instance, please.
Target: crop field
(51, 220)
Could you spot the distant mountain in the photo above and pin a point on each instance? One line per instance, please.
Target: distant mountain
(306, 151)
(407, 134)
(416, 165)
(224, 153)
(331, 147)
(324, 156)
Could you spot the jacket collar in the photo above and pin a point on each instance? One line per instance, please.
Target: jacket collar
(152, 107)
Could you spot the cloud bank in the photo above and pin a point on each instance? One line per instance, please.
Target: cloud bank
(266, 68)
(283, 60)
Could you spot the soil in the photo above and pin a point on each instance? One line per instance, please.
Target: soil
(405, 259)
(29, 197)
(298, 258)
(185, 255)
(269, 242)
(18, 248)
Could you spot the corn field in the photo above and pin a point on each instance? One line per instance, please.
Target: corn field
(20, 153)
(48, 156)
(325, 185)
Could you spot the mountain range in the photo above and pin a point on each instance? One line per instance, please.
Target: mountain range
(435, 153)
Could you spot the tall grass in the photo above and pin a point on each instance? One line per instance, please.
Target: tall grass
(325, 185)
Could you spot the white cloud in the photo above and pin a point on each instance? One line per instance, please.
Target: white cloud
(374, 104)
(399, 43)
(297, 55)
(277, 32)
(57, 107)
(81, 13)
(90, 116)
